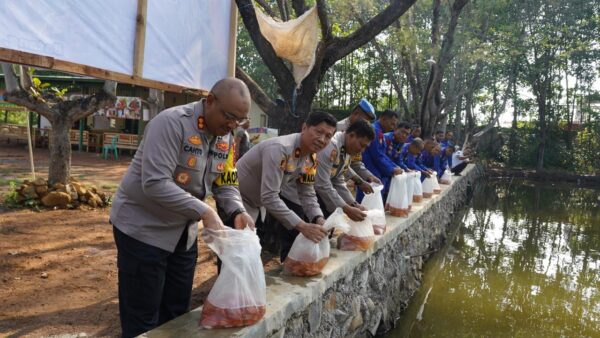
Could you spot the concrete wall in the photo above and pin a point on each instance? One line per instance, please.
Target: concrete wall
(358, 294)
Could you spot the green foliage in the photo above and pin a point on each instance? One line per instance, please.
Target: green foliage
(40, 88)
(10, 198)
(575, 151)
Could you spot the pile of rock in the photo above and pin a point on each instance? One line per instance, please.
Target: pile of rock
(71, 195)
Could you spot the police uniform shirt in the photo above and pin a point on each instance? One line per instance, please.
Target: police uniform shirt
(330, 182)
(343, 125)
(267, 167)
(177, 164)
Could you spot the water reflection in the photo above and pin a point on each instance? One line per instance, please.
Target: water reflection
(524, 262)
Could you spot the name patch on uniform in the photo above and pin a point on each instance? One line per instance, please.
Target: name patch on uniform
(220, 166)
(183, 178)
(229, 178)
(307, 178)
(195, 140)
(192, 150)
(221, 156)
(308, 174)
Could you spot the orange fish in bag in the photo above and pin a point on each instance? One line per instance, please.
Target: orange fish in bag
(397, 199)
(307, 258)
(361, 236)
(417, 188)
(239, 295)
(374, 201)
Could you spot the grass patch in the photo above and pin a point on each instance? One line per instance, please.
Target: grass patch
(109, 186)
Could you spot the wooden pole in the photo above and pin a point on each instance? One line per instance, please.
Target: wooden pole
(24, 58)
(140, 38)
(232, 39)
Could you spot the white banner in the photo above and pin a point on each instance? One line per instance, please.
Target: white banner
(187, 41)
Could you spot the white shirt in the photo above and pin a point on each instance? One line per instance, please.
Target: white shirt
(456, 158)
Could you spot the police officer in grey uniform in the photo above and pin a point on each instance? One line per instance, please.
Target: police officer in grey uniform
(272, 163)
(185, 154)
(334, 161)
(358, 172)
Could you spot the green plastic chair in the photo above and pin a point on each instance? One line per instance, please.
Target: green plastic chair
(112, 146)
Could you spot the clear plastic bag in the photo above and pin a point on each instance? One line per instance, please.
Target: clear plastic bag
(374, 201)
(239, 295)
(307, 258)
(418, 188)
(436, 185)
(360, 236)
(410, 187)
(446, 177)
(397, 199)
(428, 187)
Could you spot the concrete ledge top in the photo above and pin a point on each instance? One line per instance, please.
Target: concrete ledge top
(287, 295)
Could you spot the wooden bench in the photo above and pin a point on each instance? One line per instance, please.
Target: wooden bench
(73, 137)
(13, 131)
(124, 141)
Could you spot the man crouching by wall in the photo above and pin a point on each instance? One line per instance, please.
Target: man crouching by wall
(291, 158)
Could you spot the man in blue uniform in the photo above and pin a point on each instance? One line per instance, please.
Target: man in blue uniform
(374, 157)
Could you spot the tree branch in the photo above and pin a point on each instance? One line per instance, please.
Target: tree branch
(10, 78)
(324, 19)
(344, 46)
(435, 23)
(85, 106)
(283, 75)
(266, 8)
(299, 7)
(283, 10)
(258, 95)
(390, 73)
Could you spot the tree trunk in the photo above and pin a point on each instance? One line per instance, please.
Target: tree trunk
(458, 119)
(60, 151)
(513, 130)
(541, 100)
(432, 102)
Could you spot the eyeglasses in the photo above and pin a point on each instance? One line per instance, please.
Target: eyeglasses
(230, 117)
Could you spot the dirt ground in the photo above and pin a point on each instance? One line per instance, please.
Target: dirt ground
(58, 268)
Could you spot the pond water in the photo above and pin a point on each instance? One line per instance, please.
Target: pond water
(523, 261)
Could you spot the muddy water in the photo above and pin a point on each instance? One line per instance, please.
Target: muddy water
(524, 261)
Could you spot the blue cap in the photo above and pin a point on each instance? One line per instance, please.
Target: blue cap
(367, 107)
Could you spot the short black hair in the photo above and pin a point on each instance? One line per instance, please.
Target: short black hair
(318, 117)
(415, 126)
(403, 125)
(362, 128)
(388, 113)
(439, 132)
(417, 142)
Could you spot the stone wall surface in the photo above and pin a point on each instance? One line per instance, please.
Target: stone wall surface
(359, 294)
